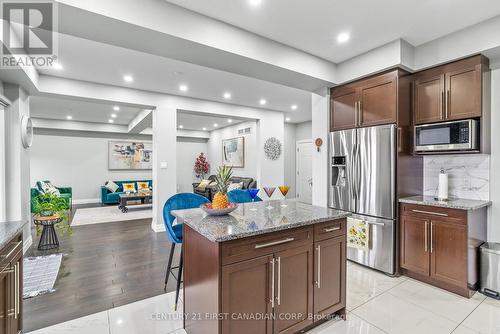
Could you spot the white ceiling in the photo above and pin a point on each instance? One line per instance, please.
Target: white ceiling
(196, 121)
(92, 61)
(83, 111)
(313, 26)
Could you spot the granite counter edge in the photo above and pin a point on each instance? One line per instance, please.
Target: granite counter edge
(449, 205)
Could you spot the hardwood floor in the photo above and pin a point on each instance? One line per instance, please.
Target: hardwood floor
(104, 266)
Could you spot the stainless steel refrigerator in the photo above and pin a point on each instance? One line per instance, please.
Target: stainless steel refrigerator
(363, 181)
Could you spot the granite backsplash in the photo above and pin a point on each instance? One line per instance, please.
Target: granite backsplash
(468, 175)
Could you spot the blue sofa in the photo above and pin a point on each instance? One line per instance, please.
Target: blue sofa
(107, 197)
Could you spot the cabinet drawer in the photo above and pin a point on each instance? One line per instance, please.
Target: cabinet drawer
(252, 247)
(433, 212)
(10, 251)
(330, 229)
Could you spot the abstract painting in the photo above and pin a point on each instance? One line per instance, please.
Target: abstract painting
(130, 155)
(233, 152)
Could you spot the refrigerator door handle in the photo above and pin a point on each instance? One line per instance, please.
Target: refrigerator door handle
(353, 172)
(358, 170)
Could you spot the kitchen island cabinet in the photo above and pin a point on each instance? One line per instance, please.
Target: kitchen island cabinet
(259, 270)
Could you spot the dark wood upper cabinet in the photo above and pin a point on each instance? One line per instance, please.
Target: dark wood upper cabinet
(330, 276)
(414, 244)
(247, 290)
(449, 92)
(449, 252)
(371, 101)
(294, 268)
(378, 100)
(429, 98)
(343, 110)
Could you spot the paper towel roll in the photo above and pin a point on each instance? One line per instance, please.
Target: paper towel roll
(443, 185)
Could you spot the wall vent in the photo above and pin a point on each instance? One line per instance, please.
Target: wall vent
(244, 131)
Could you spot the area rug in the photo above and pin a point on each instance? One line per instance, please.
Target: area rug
(108, 214)
(40, 274)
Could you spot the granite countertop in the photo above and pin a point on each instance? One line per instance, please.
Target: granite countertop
(8, 230)
(457, 203)
(251, 219)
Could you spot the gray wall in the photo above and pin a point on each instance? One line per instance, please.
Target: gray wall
(187, 152)
(494, 221)
(289, 155)
(303, 130)
(79, 161)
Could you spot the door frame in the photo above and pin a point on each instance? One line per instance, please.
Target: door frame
(297, 143)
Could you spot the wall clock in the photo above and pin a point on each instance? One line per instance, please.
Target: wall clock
(26, 131)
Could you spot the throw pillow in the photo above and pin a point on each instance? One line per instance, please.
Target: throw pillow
(142, 185)
(111, 186)
(233, 186)
(128, 187)
(48, 188)
(203, 184)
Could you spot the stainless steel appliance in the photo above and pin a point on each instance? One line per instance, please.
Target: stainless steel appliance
(447, 136)
(363, 181)
(490, 269)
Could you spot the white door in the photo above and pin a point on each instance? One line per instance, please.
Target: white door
(304, 171)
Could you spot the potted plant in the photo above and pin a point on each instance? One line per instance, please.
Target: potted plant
(46, 205)
(201, 166)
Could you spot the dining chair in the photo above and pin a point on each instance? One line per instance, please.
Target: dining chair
(174, 231)
(241, 196)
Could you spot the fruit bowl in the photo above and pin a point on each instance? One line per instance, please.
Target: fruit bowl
(207, 207)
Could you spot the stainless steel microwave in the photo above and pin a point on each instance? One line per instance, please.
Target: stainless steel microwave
(447, 137)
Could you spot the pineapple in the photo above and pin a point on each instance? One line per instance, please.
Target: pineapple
(220, 200)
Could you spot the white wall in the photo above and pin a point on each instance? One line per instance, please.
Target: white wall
(187, 152)
(78, 161)
(320, 122)
(215, 148)
(289, 155)
(494, 221)
(303, 131)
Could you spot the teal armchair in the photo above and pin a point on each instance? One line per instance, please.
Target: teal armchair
(66, 193)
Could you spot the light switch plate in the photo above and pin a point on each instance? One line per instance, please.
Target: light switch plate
(163, 165)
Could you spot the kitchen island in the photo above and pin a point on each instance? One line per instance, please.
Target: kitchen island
(268, 267)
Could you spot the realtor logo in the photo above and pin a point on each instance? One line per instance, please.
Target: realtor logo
(28, 33)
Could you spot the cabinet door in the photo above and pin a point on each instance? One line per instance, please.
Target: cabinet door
(343, 111)
(449, 252)
(415, 244)
(16, 288)
(4, 301)
(294, 289)
(463, 89)
(246, 291)
(378, 100)
(429, 100)
(330, 275)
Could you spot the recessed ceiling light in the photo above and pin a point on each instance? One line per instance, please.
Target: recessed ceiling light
(110, 121)
(116, 108)
(287, 119)
(204, 129)
(181, 126)
(343, 37)
(230, 121)
(69, 118)
(262, 102)
(113, 115)
(128, 78)
(183, 88)
(255, 3)
(216, 125)
(294, 107)
(57, 66)
(227, 95)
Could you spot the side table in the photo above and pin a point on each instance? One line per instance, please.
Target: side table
(48, 239)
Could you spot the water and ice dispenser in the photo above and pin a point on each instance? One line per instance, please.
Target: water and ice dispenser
(339, 171)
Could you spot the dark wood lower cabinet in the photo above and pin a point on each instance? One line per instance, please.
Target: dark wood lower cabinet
(330, 276)
(11, 276)
(434, 245)
(265, 284)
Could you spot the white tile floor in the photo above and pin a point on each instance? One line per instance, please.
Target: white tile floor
(376, 304)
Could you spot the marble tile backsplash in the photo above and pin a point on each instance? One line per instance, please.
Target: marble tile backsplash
(468, 175)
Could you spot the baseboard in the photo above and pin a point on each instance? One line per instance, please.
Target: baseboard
(86, 201)
(157, 227)
(27, 244)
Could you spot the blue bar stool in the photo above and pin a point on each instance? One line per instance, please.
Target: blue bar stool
(241, 196)
(174, 232)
